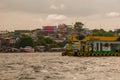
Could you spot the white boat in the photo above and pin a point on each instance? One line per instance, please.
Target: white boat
(28, 49)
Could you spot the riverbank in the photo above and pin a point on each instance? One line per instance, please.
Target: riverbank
(53, 66)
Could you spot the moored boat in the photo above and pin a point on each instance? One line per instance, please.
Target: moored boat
(28, 49)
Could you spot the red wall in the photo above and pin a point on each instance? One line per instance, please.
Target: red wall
(49, 28)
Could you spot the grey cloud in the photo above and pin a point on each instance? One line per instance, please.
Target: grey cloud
(31, 6)
(73, 7)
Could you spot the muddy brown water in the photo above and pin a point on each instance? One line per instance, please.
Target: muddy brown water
(53, 66)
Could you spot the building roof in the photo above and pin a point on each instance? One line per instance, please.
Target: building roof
(101, 38)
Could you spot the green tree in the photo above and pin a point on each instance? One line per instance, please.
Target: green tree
(43, 41)
(24, 41)
(102, 32)
(48, 40)
(61, 44)
(40, 41)
(78, 26)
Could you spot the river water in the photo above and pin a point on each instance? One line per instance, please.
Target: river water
(53, 66)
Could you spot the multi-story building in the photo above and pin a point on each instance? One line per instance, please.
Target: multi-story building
(64, 30)
(7, 42)
(48, 31)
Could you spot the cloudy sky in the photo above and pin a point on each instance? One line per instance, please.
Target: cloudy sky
(31, 14)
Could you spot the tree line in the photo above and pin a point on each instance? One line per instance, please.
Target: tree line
(25, 40)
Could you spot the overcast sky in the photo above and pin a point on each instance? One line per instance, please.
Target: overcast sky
(31, 14)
